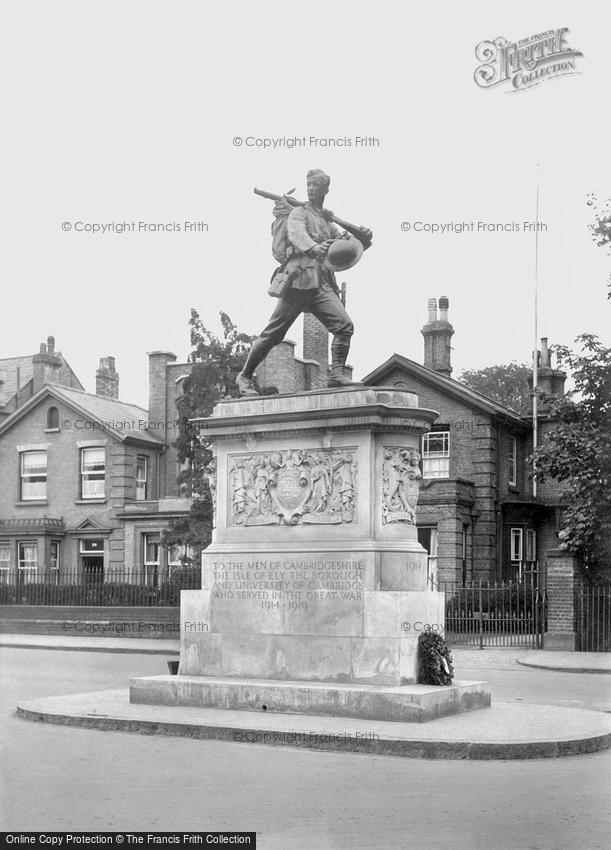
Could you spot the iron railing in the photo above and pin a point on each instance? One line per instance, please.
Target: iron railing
(593, 618)
(511, 613)
(143, 586)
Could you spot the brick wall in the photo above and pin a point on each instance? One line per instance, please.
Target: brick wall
(316, 349)
(279, 369)
(160, 408)
(168, 483)
(63, 466)
(165, 387)
(561, 577)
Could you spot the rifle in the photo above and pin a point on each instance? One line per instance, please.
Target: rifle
(356, 230)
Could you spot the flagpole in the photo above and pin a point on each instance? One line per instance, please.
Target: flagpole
(536, 345)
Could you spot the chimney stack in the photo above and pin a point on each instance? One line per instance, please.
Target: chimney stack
(45, 365)
(549, 381)
(161, 407)
(316, 348)
(163, 391)
(107, 378)
(437, 335)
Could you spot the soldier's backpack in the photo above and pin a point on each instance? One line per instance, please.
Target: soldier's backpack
(281, 247)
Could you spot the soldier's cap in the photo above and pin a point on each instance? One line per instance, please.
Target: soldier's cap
(320, 174)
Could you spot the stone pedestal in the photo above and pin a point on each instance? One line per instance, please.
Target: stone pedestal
(314, 573)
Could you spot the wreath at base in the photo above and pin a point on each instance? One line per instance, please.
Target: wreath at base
(434, 660)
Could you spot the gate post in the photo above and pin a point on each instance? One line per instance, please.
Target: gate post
(561, 573)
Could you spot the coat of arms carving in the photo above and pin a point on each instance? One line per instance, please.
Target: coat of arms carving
(293, 486)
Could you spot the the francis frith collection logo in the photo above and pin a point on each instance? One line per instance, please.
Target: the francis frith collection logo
(526, 63)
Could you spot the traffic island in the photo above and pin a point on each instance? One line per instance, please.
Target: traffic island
(504, 731)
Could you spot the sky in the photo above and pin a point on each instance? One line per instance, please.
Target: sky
(128, 112)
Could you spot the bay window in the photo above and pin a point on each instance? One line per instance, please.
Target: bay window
(28, 561)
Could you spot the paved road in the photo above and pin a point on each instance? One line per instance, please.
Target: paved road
(59, 778)
(511, 682)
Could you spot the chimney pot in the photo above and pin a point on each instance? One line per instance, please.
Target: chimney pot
(443, 308)
(43, 348)
(51, 344)
(432, 305)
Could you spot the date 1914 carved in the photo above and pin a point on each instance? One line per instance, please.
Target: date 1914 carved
(400, 487)
(293, 486)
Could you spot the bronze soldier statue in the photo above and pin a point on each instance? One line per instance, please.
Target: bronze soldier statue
(305, 280)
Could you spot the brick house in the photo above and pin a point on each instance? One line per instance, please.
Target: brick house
(477, 516)
(88, 482)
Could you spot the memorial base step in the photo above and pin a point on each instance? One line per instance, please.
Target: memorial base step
(402, 704)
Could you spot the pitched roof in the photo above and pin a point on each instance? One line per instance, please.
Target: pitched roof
(16, 372)
(443, 384)
(119, 419)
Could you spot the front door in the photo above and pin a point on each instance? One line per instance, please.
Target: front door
(93, 569)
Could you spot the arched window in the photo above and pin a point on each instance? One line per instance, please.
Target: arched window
(52, 417)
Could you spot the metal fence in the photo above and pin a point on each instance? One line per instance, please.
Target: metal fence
(145, 586)
(593, 618)
(512, 613)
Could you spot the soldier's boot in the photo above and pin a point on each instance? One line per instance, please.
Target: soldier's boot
(246, 382)
(339, 353)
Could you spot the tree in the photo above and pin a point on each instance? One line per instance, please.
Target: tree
(601, 226)
(505, 384)
(216, 363)
(576, 451)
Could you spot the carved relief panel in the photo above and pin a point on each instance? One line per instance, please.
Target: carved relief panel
(310, 486)
(400, 484)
